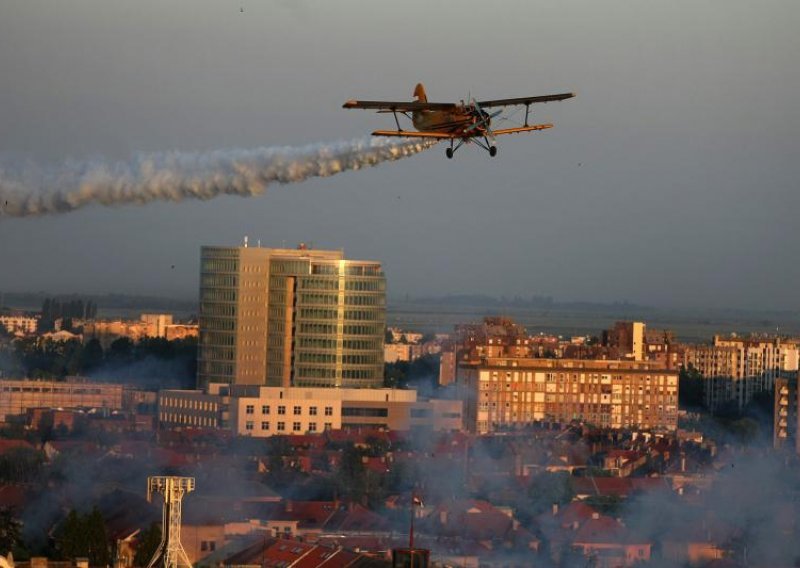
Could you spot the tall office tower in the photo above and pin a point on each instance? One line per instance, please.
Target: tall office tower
(285, 317)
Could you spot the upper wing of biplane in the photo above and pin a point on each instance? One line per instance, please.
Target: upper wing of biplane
(398, 106)
(526, 100)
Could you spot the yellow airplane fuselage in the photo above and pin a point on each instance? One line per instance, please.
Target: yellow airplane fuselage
(454, 121)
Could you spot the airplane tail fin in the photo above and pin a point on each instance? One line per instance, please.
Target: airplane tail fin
(419, 93)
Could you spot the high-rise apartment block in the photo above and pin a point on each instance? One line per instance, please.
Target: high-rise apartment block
(290, 317)
(513, 392)
(627, 338)
(735, 368)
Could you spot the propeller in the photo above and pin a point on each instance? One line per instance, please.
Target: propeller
(485, 118)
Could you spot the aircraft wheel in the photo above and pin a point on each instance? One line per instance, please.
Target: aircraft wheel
(493, 151)
(449, 153)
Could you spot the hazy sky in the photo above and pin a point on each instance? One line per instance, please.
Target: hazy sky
(672, 179)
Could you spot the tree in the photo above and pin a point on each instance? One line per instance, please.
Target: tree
(85, 536)
(690, 388)
(21, 465)
(10, 532)
(70, 538)
(149, 539)
(99, 551)
(120, 351)
(92, 355)
(351, 477)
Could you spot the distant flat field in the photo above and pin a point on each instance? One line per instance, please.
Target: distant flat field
(688, 325)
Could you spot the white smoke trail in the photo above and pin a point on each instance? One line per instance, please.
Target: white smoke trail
(175, 176)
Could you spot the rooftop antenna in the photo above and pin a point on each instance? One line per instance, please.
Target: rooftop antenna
(170, 552)
(245, 241)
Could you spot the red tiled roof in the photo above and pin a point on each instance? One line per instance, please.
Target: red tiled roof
(600, 530)
(616, 486)
(6, 445)
(629, 455)
(576, 511)
(14, 496)
(274, 553)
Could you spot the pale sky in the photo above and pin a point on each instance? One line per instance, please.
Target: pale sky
(671, 180)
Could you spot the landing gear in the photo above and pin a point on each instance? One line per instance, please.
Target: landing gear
(452, 149)
(492, 151)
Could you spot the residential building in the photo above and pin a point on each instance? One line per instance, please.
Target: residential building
(156, 324)
(786, 418)
(501, 393)
(735, 368)
(447, 367)
(17, 396)
(19, 323)
(180, 331)
(259, 411)
(290, 318)
(148, 325)
(628, 338)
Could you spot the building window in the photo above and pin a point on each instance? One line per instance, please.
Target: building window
(328, 411)
(265, 409)
(312, 426)
(248, 425)
(250, 409)
(312, 410)
(295, 426)
(265, 425)
(328, 426)
(281, 426)
(297, 411)
(281, 410)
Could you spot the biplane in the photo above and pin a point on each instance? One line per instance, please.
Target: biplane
(460, 123)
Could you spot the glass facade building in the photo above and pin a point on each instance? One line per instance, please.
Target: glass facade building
(283, 317)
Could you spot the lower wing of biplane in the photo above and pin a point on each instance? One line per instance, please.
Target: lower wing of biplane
(485, 141)
(460, 123)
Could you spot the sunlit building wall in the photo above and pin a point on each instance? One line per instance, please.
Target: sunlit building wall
(506, 393)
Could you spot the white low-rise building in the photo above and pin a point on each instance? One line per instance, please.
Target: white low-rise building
(260, 411)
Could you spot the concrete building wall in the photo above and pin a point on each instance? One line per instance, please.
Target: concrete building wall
(269, 411)
(17, 396)
(501, 393)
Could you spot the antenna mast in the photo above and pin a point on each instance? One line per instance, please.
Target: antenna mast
(170, 552)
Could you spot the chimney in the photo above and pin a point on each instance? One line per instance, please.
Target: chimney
(443, 517)
(555, 509)
(683, 464)
(574, 525)
(81, 563)
(289, 506)
(595, 516)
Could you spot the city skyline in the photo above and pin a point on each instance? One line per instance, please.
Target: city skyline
(668, 181)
